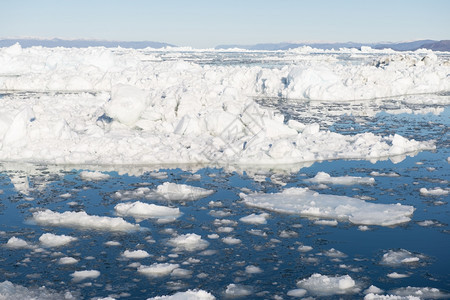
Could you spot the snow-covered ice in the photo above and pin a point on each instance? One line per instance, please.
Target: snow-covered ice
(141, 211)
(135, 254)
(188, 242)
(83, 221)
(323, 285)
(400, 257)
(53, 240)
(94, 175)
(308, 203)
(78, 276)
(10, 291)
(158, 269)
(255, 219)
(437, 191)
(322, 177)
(188, 295)
(18, 243)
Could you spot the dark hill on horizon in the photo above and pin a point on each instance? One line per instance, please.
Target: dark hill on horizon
(51, 43)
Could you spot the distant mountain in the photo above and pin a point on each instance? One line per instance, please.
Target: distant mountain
(443, 45)
(51, 43)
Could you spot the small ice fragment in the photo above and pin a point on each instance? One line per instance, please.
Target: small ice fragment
(86, 274)
(93, 176)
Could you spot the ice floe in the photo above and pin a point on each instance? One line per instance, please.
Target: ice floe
(322, 177)
(67, 260)
(93, 175)
(158, 269)
(437, 191)
(78, 276)
(18, 243)
(135, 254)
(82, 220)
(53, 240)
(400, 257)
(188, 295)
(10, 291)
(323, 285)
(141, 211)
(305, 202)
(255, 219)
(188, 242)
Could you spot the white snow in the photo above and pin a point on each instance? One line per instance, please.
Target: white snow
(188, 295)
(135, 254)
(178, 192)
(399, 257)
(93, 175)
(255, 219)
(141, 211)
(325, 178)
(53, 240)
(437, 191)
(323, 285)
(18, 243)
(238, 290)
(82, 220)
(86, 274)
(188, 242)
(67, 260)
(158, 269)
(163, 112)
(308, 203)
(10, 291)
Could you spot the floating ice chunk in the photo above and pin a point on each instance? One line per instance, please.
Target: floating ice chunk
(396, 275)
(67, 260)
(437, 191)
(326, 222)
(253, 269)
(334, 253)
(391, 174)
(231, 240)
(18, 243)
(53, 240)
(238, 290)
(372, 296)
(141, 211)
(157, 269)
(325, 178)
(136, 254)
(188, 295)
(213, 236)
(323, 285)
(309, 203)
(86, 274)
(297, 293)
(93, 176)
(255, 219)
(83, 221)
(10, 291)
(303, 248)
(181, 273)
(188, 242)
(373, 290)
(180, 192)
(399, 257)
(112, 243)
(421, 292)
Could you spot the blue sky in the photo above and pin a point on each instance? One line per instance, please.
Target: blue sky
(202, 23)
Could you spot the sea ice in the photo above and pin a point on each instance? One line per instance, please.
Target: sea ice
(93, 175)
(308, 203)
(180, 192)
(188, 295)
(53, 240)
(17, 243)
(158, 269)
(82, 221)
(255, 219)
(135, 254)
(188, 242)
(238, 290)
(10, 291)
(86, 274)
(325, 178)
(67, 260)
(323, 285)
(399, 257)
(437, 191)
(141, 211)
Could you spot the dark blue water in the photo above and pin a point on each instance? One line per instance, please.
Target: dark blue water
(282, 264)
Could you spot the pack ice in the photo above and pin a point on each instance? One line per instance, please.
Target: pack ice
(139, 108)
(308, 203)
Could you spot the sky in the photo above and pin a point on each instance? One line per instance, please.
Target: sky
(208, 23)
